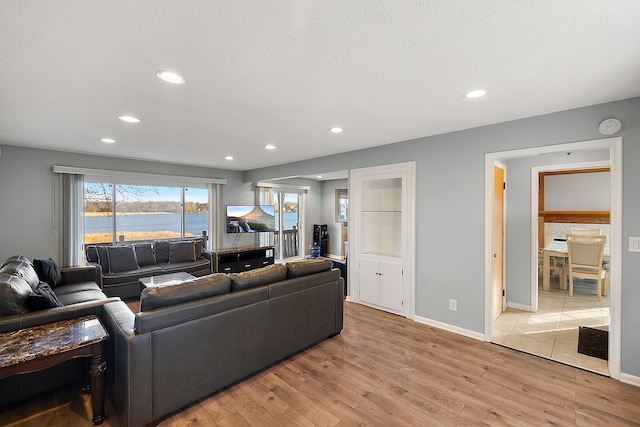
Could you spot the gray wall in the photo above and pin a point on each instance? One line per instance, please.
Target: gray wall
(450, 207)
(449, 203)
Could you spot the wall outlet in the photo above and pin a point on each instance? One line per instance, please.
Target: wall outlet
(634, 244)
(453, 304)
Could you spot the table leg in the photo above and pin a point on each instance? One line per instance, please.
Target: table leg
(96, 372)
(545, 270)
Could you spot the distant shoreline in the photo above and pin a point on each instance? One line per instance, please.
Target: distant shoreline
(124, 213)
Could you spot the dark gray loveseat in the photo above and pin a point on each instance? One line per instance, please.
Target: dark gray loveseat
(79, 290)
(193, 339)
(121, 266)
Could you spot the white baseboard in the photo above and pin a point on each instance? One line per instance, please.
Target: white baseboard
(445, 326)
(630, 379)
(519, 306)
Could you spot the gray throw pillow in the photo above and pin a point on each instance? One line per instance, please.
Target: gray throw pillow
(121, 258)
(144, 254)
(182, 252)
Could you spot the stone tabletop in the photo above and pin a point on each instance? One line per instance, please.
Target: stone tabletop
(49, 339)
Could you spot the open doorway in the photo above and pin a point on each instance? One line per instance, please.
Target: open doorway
(525, 255)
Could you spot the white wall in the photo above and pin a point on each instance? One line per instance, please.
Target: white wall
(578, 192)
(329, 214)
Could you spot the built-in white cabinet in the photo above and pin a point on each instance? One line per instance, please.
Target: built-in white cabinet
(382, 242)
(383, 277)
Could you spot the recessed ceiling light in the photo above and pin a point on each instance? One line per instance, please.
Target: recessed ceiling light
(319, 176)
(336, 130)
(108, 140)
(129, 119)
(477, 93)
(270, 147)
(171, 77)
(229, 157)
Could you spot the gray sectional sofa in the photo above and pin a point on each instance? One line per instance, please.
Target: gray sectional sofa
(195, 338)
(121, 266)
(79, 291)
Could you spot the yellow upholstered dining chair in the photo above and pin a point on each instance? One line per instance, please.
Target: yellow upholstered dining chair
(585, 259)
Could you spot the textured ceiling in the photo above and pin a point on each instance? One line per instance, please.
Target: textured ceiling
(284, 72)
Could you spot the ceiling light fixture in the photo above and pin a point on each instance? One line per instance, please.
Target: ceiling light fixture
(336, 130)
(229, 158)
(108, 140)
(270, 147)
(477, 93)
(170, 77)
(319, 176)
(129, 119)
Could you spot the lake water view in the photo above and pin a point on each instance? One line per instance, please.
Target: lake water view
(194, 223)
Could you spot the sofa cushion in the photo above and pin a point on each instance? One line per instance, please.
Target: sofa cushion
(307, 266)
(42, 297)
(48, 271)
(21, 266)
(103, 257)
(258, 277)
(161, 250)
(155, 297)
(183, 251)
(199, 241)
(91, 253)
(14, 291)
(144, 254)
(121, 258)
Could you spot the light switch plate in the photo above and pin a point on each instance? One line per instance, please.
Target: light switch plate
(634, 244)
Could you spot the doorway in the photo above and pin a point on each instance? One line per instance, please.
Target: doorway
(614, 145)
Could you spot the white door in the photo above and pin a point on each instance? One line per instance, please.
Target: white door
(370, 283)
(391, 285)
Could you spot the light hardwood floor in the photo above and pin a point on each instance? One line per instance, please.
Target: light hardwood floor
(384, 370)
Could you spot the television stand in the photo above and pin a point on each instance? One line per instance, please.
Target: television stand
(237, 260)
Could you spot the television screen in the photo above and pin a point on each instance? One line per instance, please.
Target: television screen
(251, 219)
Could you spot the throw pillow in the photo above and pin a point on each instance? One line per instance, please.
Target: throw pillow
(144, 254)
(48, 271)
(121, 258)
(199, 241)
(42, 298)
(182, 252)
(161, 249)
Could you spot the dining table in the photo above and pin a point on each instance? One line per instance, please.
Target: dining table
(559, 249)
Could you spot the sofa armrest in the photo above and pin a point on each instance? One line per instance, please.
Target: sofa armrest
(210, 256)
(89, 273)
(130, 366)
(35, 318)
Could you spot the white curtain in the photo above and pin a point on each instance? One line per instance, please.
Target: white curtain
(264, 196)
(73, 219)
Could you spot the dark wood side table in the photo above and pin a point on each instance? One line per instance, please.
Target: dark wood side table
(44, 346)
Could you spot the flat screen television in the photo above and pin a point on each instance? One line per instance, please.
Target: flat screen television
(251, 218)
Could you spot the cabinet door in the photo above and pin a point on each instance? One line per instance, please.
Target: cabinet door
(391, 285)
(369, 282)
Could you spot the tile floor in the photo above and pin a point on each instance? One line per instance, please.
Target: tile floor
(552, 332)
